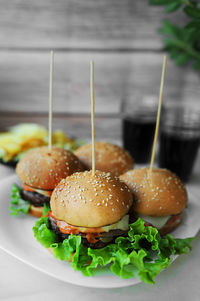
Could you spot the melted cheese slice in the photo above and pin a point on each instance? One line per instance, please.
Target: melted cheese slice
(121, 225)
(47, 193)
(44, 192)
(156, 221)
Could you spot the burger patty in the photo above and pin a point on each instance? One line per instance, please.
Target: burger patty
(35, 198)
(111, 235)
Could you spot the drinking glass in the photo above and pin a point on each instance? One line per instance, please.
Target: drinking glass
(138, 126)
(179, 140)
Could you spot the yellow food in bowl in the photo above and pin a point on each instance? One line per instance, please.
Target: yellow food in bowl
(25, 136)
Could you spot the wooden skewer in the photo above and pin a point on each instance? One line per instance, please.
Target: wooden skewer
(92, 114)
(158, 113)
(51, 97)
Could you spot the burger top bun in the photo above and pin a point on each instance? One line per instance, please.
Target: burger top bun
(91, 201)
(159, 193)
(108, 157)
(43, 169)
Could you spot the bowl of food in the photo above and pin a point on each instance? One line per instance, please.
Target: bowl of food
(23, 137)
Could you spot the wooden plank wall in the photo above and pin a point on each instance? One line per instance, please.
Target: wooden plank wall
(120, 36)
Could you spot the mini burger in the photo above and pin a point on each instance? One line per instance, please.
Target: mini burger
(160, 197)
(108, 158)
(93, 207)
(41, 170)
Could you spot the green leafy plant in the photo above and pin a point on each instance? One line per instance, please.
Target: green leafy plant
(182, 43)
(143, 253)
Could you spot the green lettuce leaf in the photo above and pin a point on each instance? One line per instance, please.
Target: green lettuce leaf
(43, 234)
(183, 245)
(143, 253)
(17, 204)
(46, 208)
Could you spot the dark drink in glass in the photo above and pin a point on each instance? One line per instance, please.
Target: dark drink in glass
(138, 137)
(179, 141)
(138, 126)
(178, 154)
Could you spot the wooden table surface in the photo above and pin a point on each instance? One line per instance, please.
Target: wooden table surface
(120, 36)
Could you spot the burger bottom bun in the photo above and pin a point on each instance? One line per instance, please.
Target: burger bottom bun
(36, 211)
(172, 223)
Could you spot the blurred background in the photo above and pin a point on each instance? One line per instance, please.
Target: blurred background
(120, 36)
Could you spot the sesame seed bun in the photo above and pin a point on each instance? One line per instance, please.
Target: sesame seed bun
(91, 201)
(42, 169)
(160, 193)
(108, 157)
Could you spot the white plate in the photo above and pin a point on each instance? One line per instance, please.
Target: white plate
(16, 238)
(6, 171)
